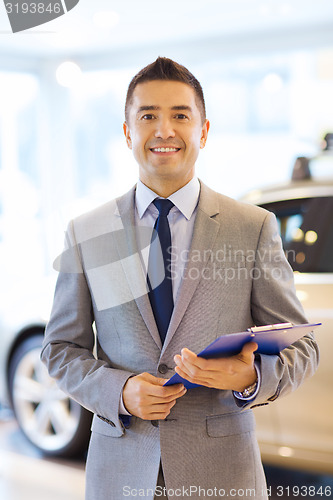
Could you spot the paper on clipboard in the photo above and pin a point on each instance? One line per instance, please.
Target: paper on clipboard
(271, 339)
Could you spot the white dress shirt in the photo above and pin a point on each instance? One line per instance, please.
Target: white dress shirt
(181, 221)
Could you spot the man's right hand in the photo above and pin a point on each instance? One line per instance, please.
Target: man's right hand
(145, 397)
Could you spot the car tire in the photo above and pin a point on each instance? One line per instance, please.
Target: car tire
(51, 421)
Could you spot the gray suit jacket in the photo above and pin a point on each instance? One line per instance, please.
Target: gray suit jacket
(236, 276)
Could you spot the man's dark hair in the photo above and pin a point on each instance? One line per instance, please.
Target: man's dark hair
(166, 69)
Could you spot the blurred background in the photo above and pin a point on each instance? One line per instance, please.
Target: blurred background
(266, 67)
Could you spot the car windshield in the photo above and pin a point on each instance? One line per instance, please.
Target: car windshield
(306, 228)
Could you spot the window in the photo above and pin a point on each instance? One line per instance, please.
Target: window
(306, 228)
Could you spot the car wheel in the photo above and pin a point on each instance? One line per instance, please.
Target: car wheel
(52, 422)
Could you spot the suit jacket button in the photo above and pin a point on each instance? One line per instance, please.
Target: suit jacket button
(154, 423)
(163, 368)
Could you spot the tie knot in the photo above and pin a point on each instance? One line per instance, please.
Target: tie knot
(163, 206)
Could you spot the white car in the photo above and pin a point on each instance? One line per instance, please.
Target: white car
(297, 430)
(51, 421)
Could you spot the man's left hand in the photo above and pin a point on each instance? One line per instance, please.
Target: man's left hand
(232, 373)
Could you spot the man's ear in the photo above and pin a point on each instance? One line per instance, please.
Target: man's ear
(204, 134)
(127, 133)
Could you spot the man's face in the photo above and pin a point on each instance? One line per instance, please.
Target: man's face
(165, 131)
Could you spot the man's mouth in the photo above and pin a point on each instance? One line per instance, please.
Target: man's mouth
(164, 150)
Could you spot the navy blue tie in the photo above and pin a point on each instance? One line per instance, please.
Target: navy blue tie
(159, 268)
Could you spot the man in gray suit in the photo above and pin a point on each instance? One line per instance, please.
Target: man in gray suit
(228, 273)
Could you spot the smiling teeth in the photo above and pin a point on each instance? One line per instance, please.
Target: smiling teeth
(165, 150)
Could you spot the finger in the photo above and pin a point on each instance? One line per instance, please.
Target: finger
(187, 358)
(155, 386)
(166, 393)
(192, 361)
(193, 365)
(185, 366)
(169, 390)
(152, 379)
(195, 379)
(193, 372)
(145, 387)
(156, 411)
(167, 398)
(191, 358)
(162, 412)
(246, 353)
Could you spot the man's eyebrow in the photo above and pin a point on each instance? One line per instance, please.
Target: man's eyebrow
(147, 108)
(180, 107)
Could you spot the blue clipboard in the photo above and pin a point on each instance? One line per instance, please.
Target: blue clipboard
(271, 339)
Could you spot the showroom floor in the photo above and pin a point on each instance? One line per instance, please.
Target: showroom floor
(26, 475)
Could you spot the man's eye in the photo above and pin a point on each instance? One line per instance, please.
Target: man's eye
(181, 116)
(147, 117)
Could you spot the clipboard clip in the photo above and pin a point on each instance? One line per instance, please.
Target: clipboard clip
(266, 328)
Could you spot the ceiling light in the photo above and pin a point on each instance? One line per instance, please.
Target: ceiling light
(68, 74)
(106, 19)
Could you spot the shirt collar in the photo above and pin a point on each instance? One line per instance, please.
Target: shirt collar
(185, 199)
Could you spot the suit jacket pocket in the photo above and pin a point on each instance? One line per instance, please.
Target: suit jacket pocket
(230, 424)
(101, 427)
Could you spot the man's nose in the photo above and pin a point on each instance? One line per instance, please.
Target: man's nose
(164, 129)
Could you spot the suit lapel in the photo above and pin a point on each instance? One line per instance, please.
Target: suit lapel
(135, 274)
(204, 234)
